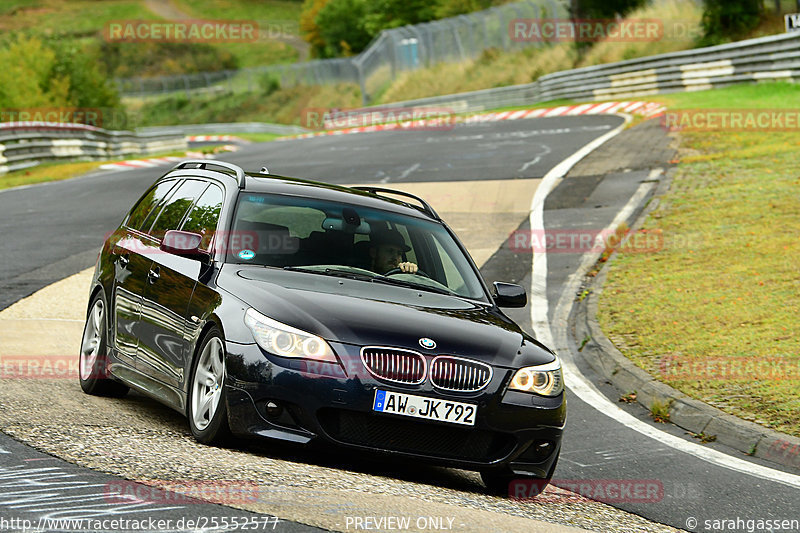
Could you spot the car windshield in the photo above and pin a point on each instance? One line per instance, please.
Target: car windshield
(344, 240)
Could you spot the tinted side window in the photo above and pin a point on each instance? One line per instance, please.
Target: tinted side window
(204, 216)
(148, 203)
(177, 206)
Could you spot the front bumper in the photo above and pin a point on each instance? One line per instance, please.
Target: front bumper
(299, 401)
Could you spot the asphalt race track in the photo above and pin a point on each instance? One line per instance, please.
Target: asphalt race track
(53, 231)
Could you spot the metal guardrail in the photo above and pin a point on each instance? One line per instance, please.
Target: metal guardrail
(27, 144)
(776, 57)
(230, 127)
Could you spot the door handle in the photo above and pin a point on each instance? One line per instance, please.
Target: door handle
(153, 275)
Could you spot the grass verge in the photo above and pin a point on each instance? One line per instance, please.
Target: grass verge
(276, 105)
(714, 313)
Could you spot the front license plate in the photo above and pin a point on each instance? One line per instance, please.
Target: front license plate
(398, 403)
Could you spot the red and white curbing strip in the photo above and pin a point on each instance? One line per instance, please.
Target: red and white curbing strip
(645, 109)
(213, 138)
(161, 161)
(155, 162)
(140, 163)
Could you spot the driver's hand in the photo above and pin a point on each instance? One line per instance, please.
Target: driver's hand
(408, 266)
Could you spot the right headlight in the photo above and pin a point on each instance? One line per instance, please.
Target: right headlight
(546, 379)
(286, 341)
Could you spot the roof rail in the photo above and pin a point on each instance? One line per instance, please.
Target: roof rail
(205, 163)
(426, 207)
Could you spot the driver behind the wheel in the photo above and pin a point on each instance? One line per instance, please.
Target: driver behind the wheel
(386, 252)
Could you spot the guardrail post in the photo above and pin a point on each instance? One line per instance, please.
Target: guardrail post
(362, 83)
(457, 38)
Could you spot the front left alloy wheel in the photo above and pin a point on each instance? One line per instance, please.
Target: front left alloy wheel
(208, 416)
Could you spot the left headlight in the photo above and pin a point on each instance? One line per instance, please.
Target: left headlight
(286, 341)
(546, 380)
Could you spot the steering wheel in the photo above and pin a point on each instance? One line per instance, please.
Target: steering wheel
(400, 271)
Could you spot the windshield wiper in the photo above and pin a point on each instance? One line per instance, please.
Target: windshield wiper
(411, 285)
(335, 272)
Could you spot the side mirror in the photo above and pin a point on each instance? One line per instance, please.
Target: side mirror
(509, 295)
(182, 243)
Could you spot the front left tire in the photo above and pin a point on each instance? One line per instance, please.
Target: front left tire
(93, 360)
(207, 409)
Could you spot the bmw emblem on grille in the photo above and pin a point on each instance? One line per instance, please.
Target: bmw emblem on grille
(425, 342)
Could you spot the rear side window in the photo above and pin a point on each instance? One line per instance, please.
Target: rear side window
(148, 205)
(177, 206)
(204, 215)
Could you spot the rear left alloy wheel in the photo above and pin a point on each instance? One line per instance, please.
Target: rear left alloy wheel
(208, 416)
(93, 361)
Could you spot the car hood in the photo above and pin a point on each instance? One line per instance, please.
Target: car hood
(372, 314)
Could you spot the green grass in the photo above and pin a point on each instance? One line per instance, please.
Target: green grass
(72, 19)
(264, 11)
(254, 137)
(83, 21)
(282, 106)
(763, 95)
(724, 288)
(47, 172)
(274, 16)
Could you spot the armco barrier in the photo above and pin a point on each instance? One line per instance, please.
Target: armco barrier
(776, 57)
(764, 58)
(232, 127)
(27, 144)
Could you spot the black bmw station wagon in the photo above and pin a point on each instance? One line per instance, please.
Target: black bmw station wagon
(266, 306)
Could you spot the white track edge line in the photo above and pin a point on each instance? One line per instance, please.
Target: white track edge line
(576, 381)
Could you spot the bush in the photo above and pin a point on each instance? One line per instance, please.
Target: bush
(88, 83)
(37, 75)
(603, 9)
(153, 58)
(341, 24)
(270, 83)
(729, 20)
(346, 27)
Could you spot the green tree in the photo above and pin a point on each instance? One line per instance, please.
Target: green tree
(88, 83)
(729, 20)
(309, 27)
(342, 26)
(27, 77)
(385, 14)
(40, 75)
(452, 8)
(603, 9)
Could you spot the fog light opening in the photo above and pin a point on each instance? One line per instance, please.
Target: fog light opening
(543, 448)
(274, 410)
